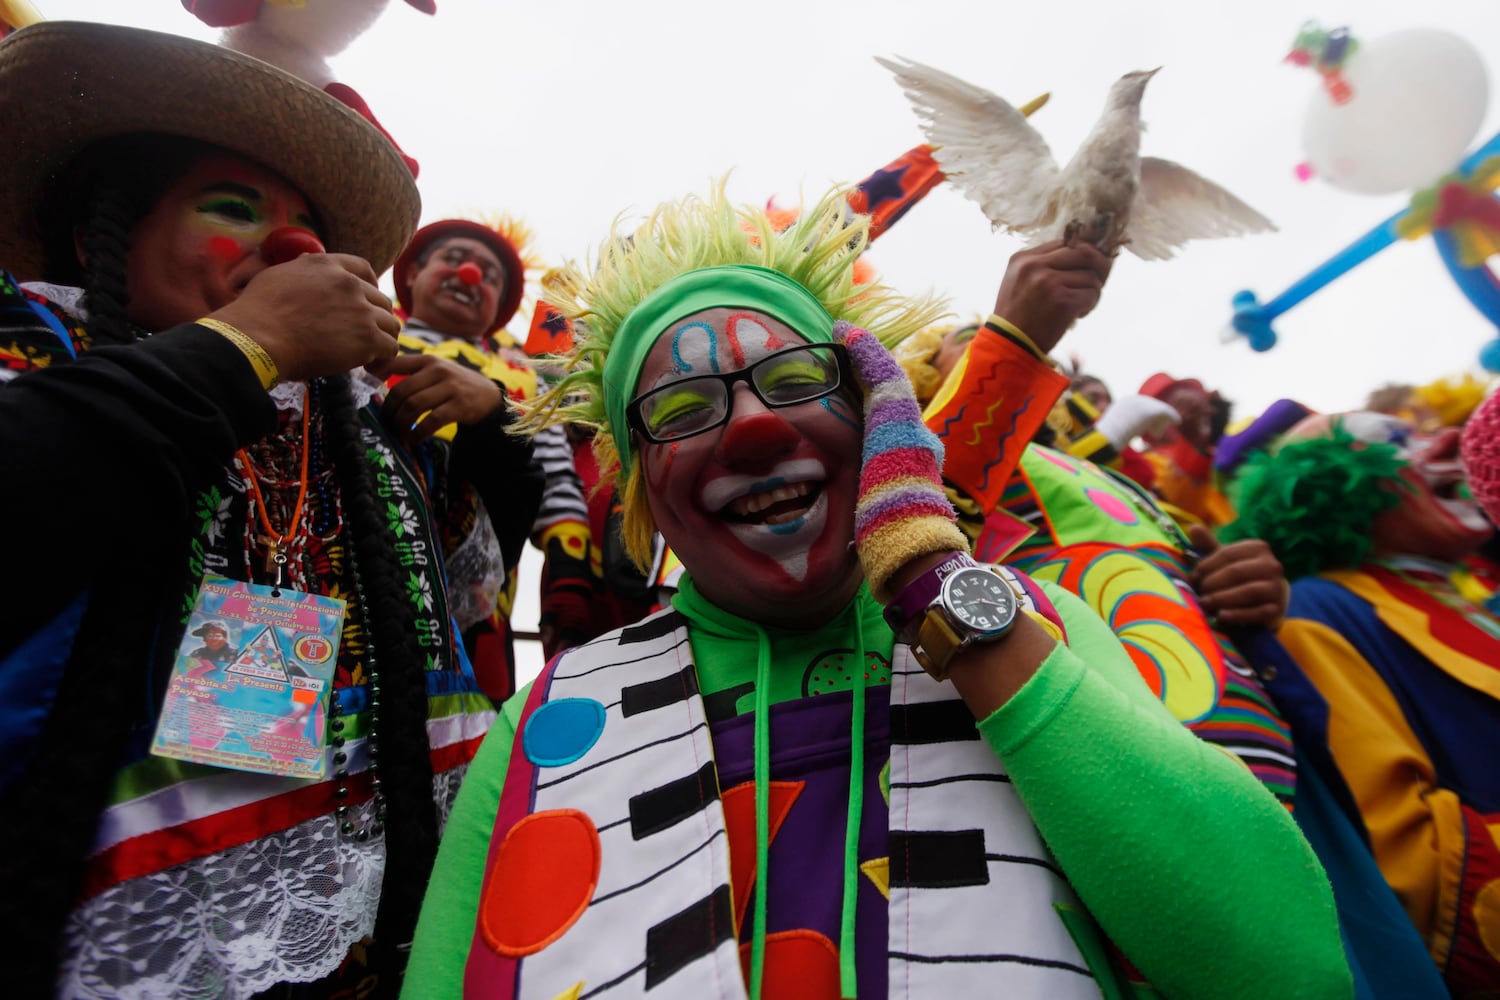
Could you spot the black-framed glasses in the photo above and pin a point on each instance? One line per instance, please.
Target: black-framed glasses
(700, 403)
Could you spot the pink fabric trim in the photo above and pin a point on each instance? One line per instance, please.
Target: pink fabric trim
(486, 973)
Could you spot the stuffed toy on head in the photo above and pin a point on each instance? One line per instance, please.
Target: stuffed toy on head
(299, 36)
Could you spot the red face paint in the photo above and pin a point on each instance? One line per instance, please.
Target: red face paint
(223, 248)
(194, 252)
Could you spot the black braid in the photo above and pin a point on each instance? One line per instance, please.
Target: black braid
(405, 765)
(106, 245)
(52, 807)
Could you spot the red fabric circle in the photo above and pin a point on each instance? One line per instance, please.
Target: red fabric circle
(540, 882)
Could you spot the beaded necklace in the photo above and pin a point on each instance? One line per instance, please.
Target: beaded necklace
(326, 509)
(277, 543)
(325, 520)
(376, 826)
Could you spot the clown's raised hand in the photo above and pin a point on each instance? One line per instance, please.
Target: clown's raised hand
(902, 512)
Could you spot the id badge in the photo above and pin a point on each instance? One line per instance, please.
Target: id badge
(251, 681)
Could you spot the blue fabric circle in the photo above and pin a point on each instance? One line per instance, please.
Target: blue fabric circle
(562, 731)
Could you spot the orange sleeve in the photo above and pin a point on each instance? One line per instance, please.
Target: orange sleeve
(988, 410)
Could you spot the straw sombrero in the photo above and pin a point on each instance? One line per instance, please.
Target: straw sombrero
(66, 85)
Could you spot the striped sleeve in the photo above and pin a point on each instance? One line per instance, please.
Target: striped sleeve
(562, 492)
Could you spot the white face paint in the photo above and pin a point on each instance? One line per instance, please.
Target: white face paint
(786, 537)
(1377, 428)
(1434, 518)
(699, 348)
(1436, 458)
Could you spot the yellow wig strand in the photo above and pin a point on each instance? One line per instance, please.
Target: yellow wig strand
(1453, 398)
(917, 356)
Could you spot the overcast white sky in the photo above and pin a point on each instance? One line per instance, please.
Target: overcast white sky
(567, 114)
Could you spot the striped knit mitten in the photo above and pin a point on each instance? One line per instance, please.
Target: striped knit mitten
(901, 512)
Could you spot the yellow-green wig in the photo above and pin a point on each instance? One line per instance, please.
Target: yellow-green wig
(817, 252)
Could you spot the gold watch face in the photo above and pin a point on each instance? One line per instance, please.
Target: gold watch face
(980, 601)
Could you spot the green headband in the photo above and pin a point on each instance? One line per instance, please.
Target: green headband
(734, 286)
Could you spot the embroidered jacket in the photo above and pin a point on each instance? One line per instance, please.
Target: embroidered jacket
(199, 878)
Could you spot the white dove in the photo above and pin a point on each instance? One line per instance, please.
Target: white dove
(1108, 192)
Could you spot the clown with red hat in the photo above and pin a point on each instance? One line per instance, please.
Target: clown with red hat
(458, 283)
(1182, 454)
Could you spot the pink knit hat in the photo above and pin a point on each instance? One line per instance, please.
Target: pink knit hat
(1481, 456)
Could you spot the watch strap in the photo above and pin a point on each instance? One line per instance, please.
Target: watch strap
(916, 597)
(1049, 626)
(937, 639)
(936, 644)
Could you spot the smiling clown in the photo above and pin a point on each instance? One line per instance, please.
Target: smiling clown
(792, 781)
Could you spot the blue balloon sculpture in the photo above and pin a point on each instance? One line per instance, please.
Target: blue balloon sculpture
(1253, 320)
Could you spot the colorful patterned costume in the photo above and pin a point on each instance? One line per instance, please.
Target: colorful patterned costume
(201, 881)
(1391, 681)
(608, 822)
(1063, 519)
(1185, 479)
(616, 794)
(1068, 521)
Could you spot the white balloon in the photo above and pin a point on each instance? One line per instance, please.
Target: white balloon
(1418, 100)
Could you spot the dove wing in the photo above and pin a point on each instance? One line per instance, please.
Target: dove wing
(1174, 205)
(984, 145)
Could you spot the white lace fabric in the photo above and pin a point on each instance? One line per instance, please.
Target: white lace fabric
(284, 908)
(288, 396)
(476, 573)
(445, 790)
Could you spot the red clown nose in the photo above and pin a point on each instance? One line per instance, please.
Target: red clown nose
(289, 243)
(469, 273)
